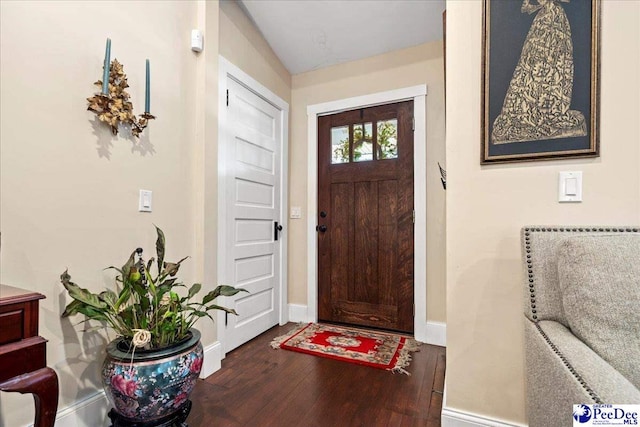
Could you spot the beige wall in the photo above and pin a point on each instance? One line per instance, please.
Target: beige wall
(68, 187)
(243, 45)
(486, 206)
(408, 67)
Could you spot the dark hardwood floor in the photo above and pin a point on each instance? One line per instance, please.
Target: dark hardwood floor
(260, 386)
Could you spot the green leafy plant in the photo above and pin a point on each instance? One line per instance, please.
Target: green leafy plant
(144, 302)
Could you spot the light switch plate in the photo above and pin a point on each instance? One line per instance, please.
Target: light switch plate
(570, 187)
(145, 201)
(296, 212)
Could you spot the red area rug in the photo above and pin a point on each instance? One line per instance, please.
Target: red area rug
(370, 348)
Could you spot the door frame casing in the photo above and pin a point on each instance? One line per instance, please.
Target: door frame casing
(418, 95)
(227, 69)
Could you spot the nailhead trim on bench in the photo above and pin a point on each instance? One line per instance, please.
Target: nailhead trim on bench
(530, 278)
(578, 377)
(529, 259)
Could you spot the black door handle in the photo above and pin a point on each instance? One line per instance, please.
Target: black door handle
(276, 229)
(321, 228)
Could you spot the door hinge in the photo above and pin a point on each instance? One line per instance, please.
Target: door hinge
(227, 97)
(413, 119)
(414, 216)
(226, 318)
(414, 310)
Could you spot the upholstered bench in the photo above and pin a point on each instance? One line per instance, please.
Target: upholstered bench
(582, 319)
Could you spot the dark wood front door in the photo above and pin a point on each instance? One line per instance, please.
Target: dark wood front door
(365, 217)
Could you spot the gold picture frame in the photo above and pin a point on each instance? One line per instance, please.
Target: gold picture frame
(540, 80)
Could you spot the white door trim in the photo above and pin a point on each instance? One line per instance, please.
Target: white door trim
(418, 94)
(227, 69)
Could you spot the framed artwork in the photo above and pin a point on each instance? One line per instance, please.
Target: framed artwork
(540, 80)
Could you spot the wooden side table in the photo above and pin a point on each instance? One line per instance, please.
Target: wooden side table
(23, 359)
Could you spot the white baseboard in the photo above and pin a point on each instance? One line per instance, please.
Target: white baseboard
(89, 412)
(450, 417)
(456, 418)
(212, 359)
(298, 313)
(92, 411)
(436, 333)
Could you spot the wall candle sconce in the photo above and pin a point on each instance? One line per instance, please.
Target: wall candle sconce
(112, 104)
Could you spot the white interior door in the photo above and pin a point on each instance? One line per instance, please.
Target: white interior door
(251, 151)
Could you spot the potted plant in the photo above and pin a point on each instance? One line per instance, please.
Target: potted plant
(153, 364)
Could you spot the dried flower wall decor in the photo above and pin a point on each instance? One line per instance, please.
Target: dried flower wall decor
(112, 105)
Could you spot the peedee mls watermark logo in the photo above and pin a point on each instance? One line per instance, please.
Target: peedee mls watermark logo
(606, 415)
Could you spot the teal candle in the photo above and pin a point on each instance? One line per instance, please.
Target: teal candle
(147, 90)
(107, 65)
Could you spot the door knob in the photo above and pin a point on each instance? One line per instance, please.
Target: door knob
(321, 228)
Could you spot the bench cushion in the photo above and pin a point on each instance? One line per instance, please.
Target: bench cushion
(599, 277)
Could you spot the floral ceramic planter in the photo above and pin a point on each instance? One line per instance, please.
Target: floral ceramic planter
(151, 384)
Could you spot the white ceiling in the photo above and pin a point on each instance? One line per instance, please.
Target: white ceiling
(311, 34)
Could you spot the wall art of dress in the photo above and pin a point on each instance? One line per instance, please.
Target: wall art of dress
(540, 78)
